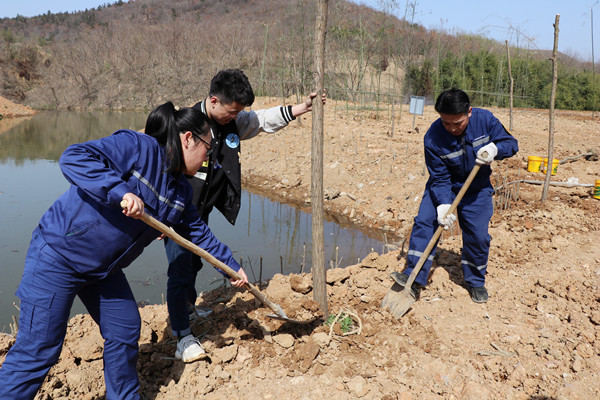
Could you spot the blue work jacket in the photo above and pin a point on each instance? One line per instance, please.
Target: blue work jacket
(86, 225)
(450, 159)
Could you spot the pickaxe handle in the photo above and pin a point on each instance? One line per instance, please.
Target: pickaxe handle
(180, 240)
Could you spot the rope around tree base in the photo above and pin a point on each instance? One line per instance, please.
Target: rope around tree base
(356, 318)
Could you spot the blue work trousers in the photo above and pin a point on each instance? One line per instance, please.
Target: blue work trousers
(47, 290)
(474, 213)
(181, 286)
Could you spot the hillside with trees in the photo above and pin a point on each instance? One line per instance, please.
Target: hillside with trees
(139, 53)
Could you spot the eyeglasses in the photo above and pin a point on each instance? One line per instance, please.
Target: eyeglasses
(209, 148)
(232, 113)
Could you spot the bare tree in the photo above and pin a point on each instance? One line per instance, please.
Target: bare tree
(511, 85)
(549, 164)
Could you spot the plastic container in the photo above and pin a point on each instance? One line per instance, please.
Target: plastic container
(534, 164)
(554, 166)
(596, 191)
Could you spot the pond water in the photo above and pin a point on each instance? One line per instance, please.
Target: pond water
(267, 233)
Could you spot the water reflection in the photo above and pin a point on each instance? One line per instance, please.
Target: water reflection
(270, 234)
(281, 235)
(46, 135)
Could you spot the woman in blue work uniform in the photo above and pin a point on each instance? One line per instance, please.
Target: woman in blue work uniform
(85, 239)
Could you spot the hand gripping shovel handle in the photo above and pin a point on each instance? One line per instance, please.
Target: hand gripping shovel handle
(180, 240)
(438, 231)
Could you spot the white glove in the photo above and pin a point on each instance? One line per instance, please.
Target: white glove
(491, 150)
(445, 220)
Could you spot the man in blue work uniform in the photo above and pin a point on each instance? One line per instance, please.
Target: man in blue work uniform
(461, 138)
(218, 184)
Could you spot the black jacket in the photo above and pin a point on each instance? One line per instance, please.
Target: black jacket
(219, 182)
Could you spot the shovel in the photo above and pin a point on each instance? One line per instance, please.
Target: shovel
(399, 301)
(180, 240)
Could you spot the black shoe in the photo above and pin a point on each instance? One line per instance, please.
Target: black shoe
(478, 294)
(401, 278)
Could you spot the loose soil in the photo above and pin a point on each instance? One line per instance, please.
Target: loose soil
(12, 114)
(8, 109)
(538, 337)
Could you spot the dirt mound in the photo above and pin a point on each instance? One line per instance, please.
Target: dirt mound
(538, 336)
(541, 341)
(8, 109)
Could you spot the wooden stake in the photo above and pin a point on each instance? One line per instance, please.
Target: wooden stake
(318, 234)
(554, 59)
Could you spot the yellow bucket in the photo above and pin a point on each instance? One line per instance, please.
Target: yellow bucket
(554, 166)
(534, 164)
(596, 192)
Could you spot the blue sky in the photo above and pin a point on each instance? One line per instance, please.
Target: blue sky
(529, 21)
(31, 8)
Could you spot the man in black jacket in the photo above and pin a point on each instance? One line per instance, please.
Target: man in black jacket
(218, 184)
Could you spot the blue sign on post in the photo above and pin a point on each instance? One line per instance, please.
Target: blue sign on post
(417, 103)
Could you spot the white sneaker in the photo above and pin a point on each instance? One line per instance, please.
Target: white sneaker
(199, 312)
(189, 349)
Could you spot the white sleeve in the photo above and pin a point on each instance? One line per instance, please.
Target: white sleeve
(251, 123)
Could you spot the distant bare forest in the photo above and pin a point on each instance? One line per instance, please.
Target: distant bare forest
(143, 52)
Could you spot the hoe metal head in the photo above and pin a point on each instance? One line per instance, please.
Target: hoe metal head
(286, 319)
(280, 315)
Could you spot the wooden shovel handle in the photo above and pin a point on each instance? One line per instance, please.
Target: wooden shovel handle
(438, 231)
(183, 242)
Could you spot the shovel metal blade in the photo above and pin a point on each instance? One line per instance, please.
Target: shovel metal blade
(398, 300)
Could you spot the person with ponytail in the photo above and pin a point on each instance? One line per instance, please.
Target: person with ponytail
(85, 240)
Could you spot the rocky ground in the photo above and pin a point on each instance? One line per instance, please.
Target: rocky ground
(537, 338)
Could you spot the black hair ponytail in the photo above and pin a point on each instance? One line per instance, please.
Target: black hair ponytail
(166, 122)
